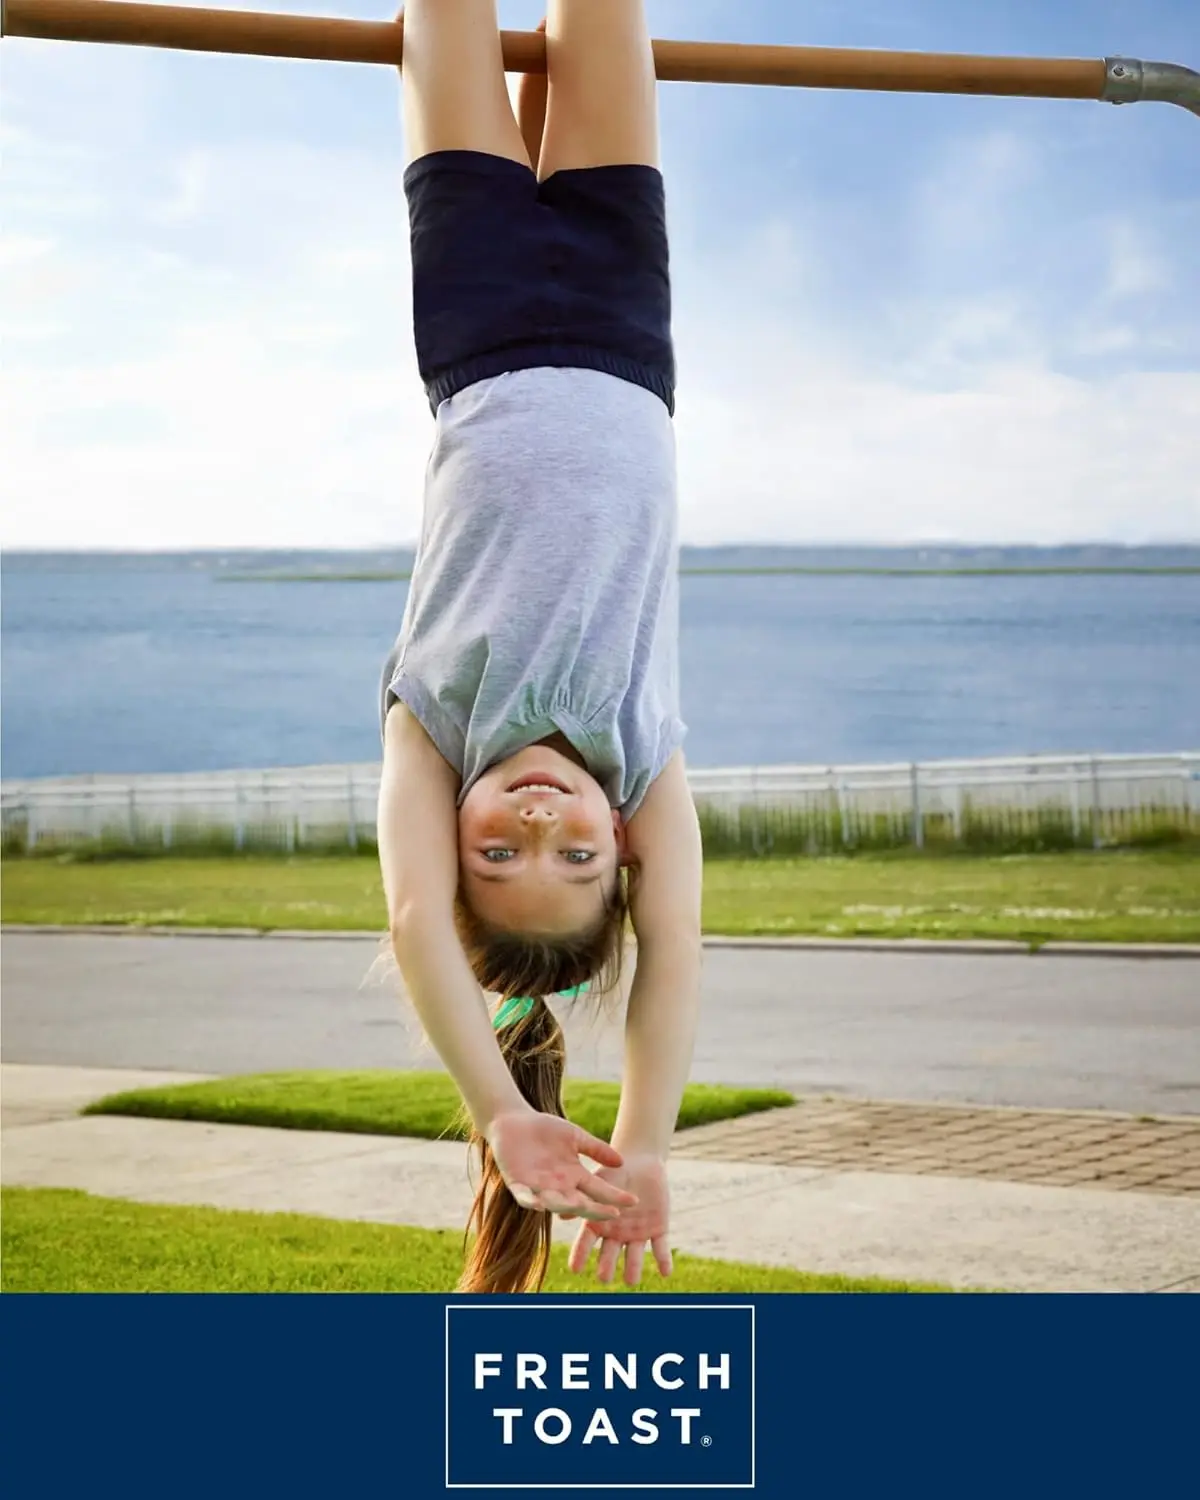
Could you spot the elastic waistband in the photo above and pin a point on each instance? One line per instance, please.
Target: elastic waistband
(550, 356)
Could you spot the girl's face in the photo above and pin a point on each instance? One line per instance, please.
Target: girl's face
(538, 845)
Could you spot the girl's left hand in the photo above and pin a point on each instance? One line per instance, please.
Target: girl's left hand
(646, 1223)
(538, 1157)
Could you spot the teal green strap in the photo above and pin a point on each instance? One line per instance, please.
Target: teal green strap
(519, 1006)
(512, 1011)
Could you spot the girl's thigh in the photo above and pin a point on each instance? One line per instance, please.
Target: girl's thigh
(603, 102)
(455, 97)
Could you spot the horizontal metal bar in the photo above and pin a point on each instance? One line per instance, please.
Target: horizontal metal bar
(339, 40)
(1117, 80)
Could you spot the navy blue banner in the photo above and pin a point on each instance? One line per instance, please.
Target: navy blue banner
(225, 1396)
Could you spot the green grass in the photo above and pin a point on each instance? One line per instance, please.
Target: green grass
(1129, 897)
(1114, 896)
(391, 1103)
(65, 1241)
(819, 826)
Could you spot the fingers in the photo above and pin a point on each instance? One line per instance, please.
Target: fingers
(581, 1250)
(597, 1150)
(606, 1264)
(606, 1192)
(571, 1205)
(525, 1196)
(610, 1252)
(576, 1206)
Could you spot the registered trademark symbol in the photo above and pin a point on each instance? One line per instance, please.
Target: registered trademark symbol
(706, 1441)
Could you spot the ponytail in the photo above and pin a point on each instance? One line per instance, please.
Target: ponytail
(511, 1247)
(510, 1251)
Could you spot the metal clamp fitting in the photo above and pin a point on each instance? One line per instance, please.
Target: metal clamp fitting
(1129, 81)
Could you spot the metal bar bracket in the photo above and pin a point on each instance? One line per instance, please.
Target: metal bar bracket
(1128, 81)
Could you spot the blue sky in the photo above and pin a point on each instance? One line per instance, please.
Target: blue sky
(899, 318)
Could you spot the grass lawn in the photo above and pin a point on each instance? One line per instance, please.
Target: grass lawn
(1112, 896)
(390, 1103)
(63, 1241)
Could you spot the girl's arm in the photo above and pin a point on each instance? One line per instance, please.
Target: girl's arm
(663, 839)
(538, 1154)
(418, 856)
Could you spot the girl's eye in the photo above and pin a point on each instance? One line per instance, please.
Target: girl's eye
(497, 856)
(580, 856)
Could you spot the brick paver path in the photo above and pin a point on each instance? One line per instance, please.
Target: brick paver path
(1054, 1148)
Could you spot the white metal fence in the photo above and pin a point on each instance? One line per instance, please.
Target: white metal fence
(1065, 799)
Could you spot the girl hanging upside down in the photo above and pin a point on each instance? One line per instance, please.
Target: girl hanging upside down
(534, 796)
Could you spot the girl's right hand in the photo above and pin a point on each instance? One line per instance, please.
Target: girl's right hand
(648, 1224)
(538, 1156)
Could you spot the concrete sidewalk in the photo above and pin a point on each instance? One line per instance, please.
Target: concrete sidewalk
(912, 1225)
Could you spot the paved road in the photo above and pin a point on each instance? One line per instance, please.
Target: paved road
(1064, 1033)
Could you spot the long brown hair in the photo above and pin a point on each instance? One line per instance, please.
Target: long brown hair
(510, 1251)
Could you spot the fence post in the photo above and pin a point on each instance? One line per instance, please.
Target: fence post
(956, 812)
(31, 828)
(844, 813)
(918, 817)
(132, 814)
(351, 811)
(239, 829)
(1076, 819)
(1095, 768)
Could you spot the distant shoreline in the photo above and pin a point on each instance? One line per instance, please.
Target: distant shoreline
(1132, 571)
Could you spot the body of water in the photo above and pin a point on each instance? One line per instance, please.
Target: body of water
(139, 664)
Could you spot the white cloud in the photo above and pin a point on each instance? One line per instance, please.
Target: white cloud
(964, 201)
(20, 249)
(255, 428)
(187, 195)
(231, 363)
(1019, 454)
(1135, 267)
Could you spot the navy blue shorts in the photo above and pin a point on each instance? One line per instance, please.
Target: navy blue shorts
(513, 274)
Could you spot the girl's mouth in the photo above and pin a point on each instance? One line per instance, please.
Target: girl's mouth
(539, 783)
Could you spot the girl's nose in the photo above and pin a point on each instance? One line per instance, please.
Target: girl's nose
(535, 814)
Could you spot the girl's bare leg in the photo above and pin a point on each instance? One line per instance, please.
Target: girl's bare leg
(455, 97)
(603, 105)
(532, 98)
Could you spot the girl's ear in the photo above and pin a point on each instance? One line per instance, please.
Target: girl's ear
(622, 841)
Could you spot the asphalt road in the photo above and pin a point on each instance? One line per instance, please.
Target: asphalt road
(1065, 1033)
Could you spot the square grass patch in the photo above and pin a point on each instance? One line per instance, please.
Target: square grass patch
(380, 1102)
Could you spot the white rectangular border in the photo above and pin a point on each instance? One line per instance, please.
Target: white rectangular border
(606, 1307)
